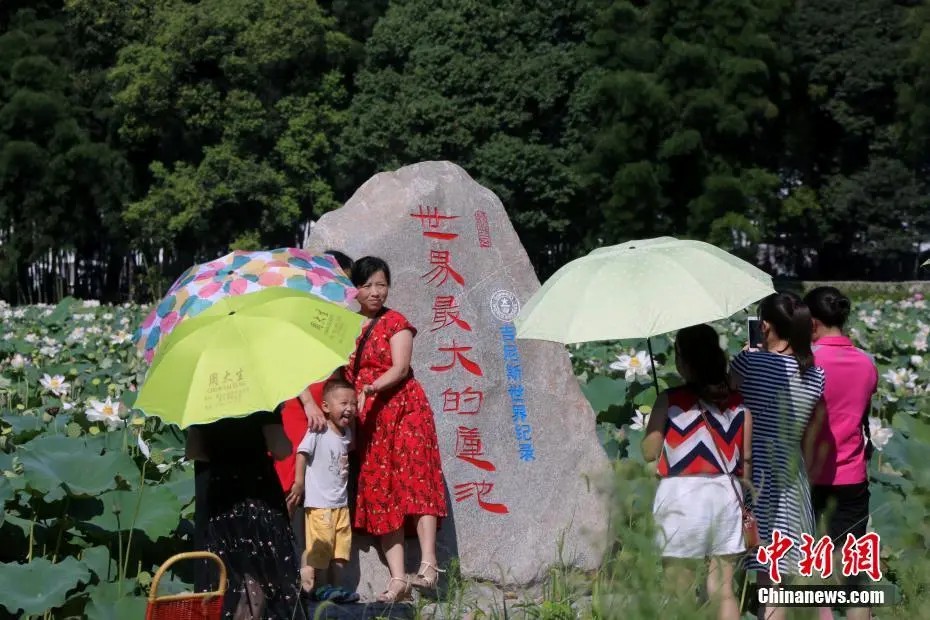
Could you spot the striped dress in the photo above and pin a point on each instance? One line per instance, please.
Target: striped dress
(781, 401)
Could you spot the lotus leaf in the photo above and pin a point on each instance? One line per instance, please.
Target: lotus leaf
(6, 492)
(23, 425)
(171, 584)
(99, 561)
(120, 609)
(61, 312)
(49, 463)
(905, 455)
(607, 434)
(634, 450)
(159, 511)
(182, 486)
(39, 529)
(112, 591)
(602, 392)
(900, 483)
(40, 585)
(646, 397)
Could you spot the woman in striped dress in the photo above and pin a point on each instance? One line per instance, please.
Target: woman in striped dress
(784, 390)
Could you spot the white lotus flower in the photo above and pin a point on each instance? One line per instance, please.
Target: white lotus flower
(67, 406)
(17, 362)
(880, 434)
(106, 412)
(902, 377)
(121, 337)
(632, 366)
(91, 303)
(50, 350)
(107, 317)
(55, 385)
(143, 447)
(639, 421)
(916, 360)
(31, 338)
(163, 467)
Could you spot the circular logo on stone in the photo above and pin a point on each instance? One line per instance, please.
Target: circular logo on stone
(505, 306)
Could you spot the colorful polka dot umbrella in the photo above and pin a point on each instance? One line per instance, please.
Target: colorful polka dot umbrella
(240, 273)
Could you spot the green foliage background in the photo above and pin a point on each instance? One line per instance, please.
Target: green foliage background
(140, 136)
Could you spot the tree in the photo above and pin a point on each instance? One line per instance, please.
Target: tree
(679, 119)
(235, 104)
(60, 190)
(485, 85)
(853, 68)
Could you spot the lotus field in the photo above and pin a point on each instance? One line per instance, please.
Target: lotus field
(94, 496)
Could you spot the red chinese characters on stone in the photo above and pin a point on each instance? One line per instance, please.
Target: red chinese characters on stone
(862, 556)
(432, 221)
(483, 229)
(446, 312)
(466, 402)
(479, 490)
(770, 554)
(458, 355)
(468, 447)
(441, 263)
(817, 556)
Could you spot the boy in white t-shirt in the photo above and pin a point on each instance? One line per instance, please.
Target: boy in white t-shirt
(322, 472)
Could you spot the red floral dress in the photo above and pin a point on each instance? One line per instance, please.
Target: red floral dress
(400, 472)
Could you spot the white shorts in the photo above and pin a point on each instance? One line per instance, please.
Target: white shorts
(697, 517)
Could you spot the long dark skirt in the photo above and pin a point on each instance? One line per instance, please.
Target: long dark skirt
(249, 529)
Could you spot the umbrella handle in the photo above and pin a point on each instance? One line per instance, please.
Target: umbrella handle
(652, 363)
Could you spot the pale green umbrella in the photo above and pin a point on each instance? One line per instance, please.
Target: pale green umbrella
(641, 289)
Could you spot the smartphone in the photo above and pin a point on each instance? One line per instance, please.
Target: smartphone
(755, 332)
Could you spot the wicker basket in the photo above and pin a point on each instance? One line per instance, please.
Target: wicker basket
(188, 606)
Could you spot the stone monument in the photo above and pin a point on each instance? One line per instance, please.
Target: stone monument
(517, 436)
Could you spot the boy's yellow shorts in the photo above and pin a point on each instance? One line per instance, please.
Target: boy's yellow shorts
(329, 535)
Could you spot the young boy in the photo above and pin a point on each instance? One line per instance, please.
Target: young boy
(321, 476)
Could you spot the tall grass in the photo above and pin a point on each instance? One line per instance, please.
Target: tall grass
(633, 585)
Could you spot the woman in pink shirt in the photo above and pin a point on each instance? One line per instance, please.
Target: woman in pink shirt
(839, 481)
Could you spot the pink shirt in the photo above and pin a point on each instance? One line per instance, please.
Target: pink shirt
(851, 379)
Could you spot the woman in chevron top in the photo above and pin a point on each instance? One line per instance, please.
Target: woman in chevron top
(700, 434)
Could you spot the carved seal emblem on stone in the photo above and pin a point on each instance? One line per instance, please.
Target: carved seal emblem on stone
(505, 306)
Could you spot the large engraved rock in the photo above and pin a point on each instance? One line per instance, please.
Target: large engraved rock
(517, 436)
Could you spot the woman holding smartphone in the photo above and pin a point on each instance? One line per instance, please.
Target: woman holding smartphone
(783, 389)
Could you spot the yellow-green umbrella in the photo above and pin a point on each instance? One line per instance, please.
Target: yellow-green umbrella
(641, 289)
(246, 353)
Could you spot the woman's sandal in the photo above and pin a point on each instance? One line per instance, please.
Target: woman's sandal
(395, 596)
(420, 580)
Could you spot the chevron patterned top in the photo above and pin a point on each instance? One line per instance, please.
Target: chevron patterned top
(688, 448)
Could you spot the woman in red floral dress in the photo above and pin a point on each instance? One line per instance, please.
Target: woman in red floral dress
(400, 478)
